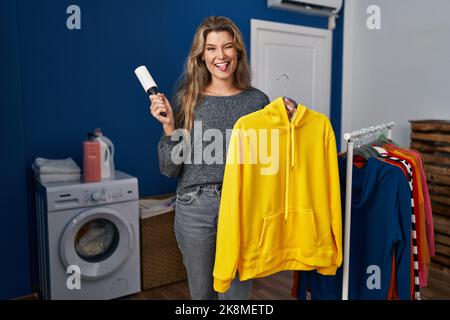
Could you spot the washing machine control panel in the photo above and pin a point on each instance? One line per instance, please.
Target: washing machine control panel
(105, 195)
(62, 196)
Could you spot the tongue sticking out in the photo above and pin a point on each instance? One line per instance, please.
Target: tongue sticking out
(223, 67)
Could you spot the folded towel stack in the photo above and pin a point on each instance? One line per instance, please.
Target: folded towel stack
(56, 170)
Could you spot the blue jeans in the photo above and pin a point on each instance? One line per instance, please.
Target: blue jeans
(195, 227)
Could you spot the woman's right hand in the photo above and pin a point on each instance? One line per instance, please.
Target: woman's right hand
(159, 104)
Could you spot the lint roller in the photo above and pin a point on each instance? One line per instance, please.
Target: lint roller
(147, 82)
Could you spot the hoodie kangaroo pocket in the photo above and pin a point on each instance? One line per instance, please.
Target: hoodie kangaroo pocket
(298, 231)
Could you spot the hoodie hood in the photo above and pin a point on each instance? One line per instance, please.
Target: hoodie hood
(364, 180)
(277, 115)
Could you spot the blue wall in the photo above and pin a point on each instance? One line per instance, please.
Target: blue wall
(66, 83)
(14, 249)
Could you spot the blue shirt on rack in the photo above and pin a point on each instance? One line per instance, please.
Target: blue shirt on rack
(380, 226)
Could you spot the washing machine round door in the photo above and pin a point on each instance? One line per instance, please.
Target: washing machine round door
(98, 241)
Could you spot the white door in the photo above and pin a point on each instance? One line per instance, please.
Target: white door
(289, 60)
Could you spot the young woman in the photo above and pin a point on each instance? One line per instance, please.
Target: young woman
(213, 94)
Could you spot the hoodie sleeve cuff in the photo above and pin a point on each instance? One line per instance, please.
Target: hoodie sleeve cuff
(327, 271)
(221, 286)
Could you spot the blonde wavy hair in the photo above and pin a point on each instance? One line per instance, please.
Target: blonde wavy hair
(196, 76)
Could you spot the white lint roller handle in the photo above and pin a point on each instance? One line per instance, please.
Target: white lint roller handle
(147, 82)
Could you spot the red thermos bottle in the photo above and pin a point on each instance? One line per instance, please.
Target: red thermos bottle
(91, 159)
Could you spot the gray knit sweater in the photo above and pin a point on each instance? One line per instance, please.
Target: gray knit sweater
(206, 162)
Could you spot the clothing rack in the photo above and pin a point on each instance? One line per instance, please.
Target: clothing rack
(356, 138)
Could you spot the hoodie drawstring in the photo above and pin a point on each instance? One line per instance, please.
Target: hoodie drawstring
(290, 151)
(289, 166)
(286, 172)
(292, 141)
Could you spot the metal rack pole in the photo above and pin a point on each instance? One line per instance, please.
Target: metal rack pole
(348, 204)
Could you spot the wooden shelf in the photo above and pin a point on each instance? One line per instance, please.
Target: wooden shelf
(432, 139)
(442, 239)
(430, 125)
(442, 249)
(440, 209)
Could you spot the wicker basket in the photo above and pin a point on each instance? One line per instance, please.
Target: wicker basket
(161, 259)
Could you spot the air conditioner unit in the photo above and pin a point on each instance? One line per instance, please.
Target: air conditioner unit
(315, 7)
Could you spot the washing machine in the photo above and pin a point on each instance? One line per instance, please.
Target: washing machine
(88, 238)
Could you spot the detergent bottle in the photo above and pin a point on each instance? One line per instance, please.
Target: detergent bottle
(106, 154)
(91, 159)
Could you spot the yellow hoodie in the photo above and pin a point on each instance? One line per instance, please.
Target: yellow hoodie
(282, 211)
